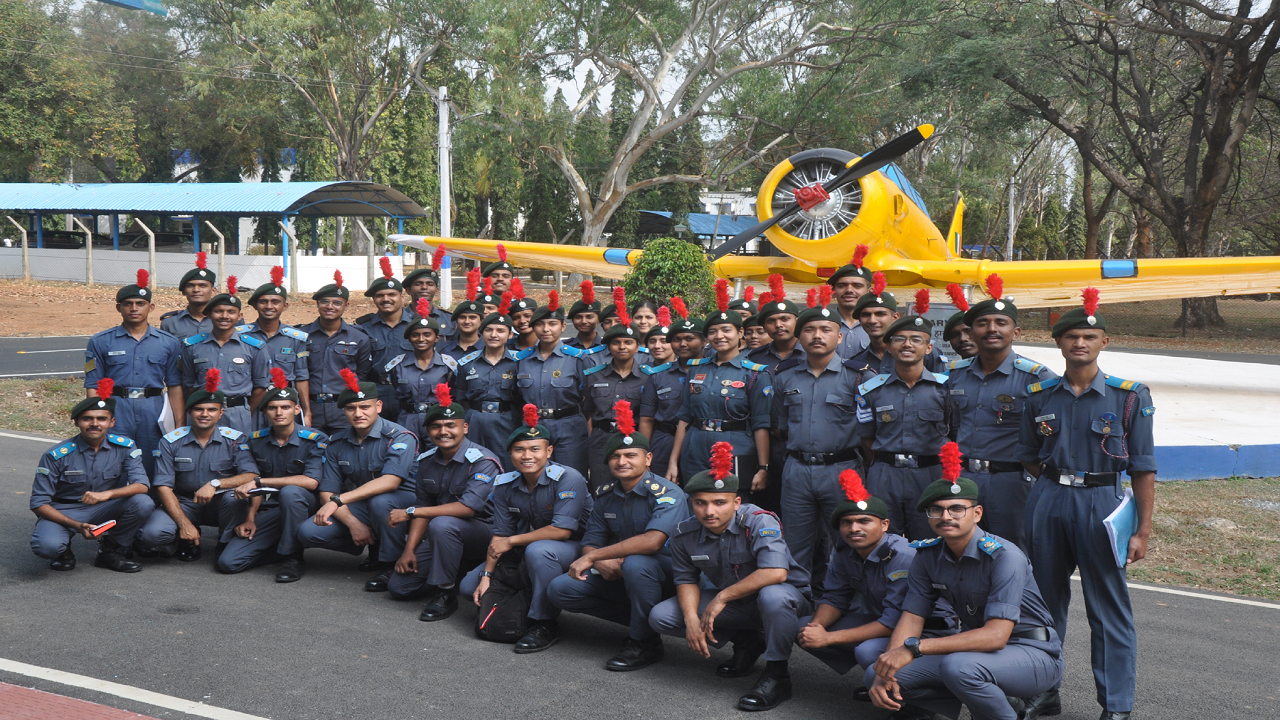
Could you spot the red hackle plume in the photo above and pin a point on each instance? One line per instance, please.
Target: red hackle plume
(878, 284)
(995, 286)
(350, 380)
(231, 284)
(504, 306)
(553, 301)
(202, 260)
(811, 298)
(473, 284)
(852, 486)
(749, 293)
(722, 294)
(824, 295)
(766, 297)
(622, 415)
(778, 290)
(588, 290)
(443, 396)
(337, 278)
(488, 286)
(860, 255)
(278, 379)
(950, 454)
(212, 378)
(1091, 297)
(620, 304)
(530, 412)
(277, 275)
(677, 304)
(143, 278)
(437, 258)
(922, 301)
(624, 317)
(957, 297)
(422, 307)
(385, 263)
(517, 288)
(721, 460)
(502, 252)
(664, 316)
(105, 386)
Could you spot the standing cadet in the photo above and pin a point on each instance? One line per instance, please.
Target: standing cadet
(197, 468)
(489, 299)
(849, 283)
(778, 316)
(286, 346)
(367, 472)
(617, 379)
(425, 283)
(388, 334)
(549, 375)
(1005, 651)
(242, 361)
(726, 399)
(585, 315)
(625, 568)
(664, 385)
(87, 481)
(144, 364)
(1079, 433)
(816, 400)
(903, 422)
(956, 332)
(333, 346)
(733, 573)
(451, 521)
(745, 305)
(501, 272)
(467, 317)
(877, 311)
(415, 376)
(988, 394)
(487, 386)
(753, 334)
(199, 286)
(522, 309)
(289, 459)
(542, 507)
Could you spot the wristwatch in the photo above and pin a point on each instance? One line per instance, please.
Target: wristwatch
(257, 481)
(409, 510)
(215, 483)
(336, 499)
(485, 574)
(913, 644)
(764, 467)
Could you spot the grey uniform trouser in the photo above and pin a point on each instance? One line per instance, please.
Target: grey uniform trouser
(545, 560)
(161, 532)
(449, 542)
(776, 609)
(373, 513)
(900, 489)
(49, 539)
(810, 494)
(842, 658)
(136, 419)
(1003, 496)
(328, 418)
(277, 530)
(569, 437)
(646, 580)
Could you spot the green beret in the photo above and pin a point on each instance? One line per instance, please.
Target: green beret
(991, 306)
(883, 300)
(129, 292)
(910, 322)
(368, 391)
(470, 306)
(198, 273)
(222, 299)
(871, 506)
(687, 325)
(540, 313)
(494, 300)
(524, 432)
(94, 403)
(524, 304)
(383, 283)
(962, 489)
(419, 323)
(726, 317)
(268, 289)
(620, 331)
(814, 314)
(330, 291)
(617, 441)
(275, 393)
(957, 318)
(444, 412)
(752, 321)
(579, 307)
(740, 304)
(202, 397)
(421, 272)
(499, 265)
(492, 318)
(1073, 319)
(703, 482)
(847, 270)
(609, 311)
(771, 308)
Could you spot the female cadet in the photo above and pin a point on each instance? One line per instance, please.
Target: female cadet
(486, 385)
(644, 317)
(415, 377)
(660, 398)
(521, 322)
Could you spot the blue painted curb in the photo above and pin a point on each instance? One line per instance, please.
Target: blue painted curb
(1202, 462)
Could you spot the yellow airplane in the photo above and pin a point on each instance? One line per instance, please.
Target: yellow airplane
(818, 205)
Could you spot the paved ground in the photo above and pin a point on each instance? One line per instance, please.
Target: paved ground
(42, 357)
(322, 648)
(22, 703)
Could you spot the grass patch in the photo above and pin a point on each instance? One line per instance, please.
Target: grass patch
(40, 406)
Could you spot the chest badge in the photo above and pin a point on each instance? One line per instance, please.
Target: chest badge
(726, 383)
(724, 391)
(1046, 429)
(886, 417)
(737, 384)
(555, 373)
(505, 376)
(1005, 398)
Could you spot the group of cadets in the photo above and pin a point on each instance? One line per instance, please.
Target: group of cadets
(643, 471)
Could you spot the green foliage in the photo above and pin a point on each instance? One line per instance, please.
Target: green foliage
(673, 267)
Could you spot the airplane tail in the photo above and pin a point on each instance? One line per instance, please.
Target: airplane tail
(955, 235)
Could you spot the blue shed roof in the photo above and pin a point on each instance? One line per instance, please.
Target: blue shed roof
(328, 199)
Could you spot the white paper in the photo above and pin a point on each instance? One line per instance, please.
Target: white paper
(165, 421)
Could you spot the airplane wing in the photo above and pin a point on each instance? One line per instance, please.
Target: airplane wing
(613, 263)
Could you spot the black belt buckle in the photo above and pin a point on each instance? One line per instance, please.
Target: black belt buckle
(711, 424)
(546, 413)
(490, 407)
(905, 461)
(809, 458)
(135, 393)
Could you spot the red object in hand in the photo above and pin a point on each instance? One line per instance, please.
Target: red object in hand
(811, 196)
(98, 530)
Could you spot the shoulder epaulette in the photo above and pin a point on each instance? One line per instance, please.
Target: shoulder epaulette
(63, 449)
(244, 328)
(294, 333)
(525, 352)
(195, 339)
(510, 354)
(595, 349)
(120, 440)
(170, 314)
(364, 318)
(644, 350)
(505, 478)
(958, 364)
(594, 369)
(231, 433)
(255, 342)
(696, 361)
(688, 525)
(394, 362)
(426, 454)
(942, 378)
(449, 362)
(873, 383)
(989, 545)
(1027, 366)
(603, 489)
(263, 433)
(165, 333)
(1043, 385)
(308, 434)
(555, 472)
(754, 366)
(917, 544)
(178, 434)
(469, 357)
(1123, 384)
(572, 351)
(654, 369)
(473, 455)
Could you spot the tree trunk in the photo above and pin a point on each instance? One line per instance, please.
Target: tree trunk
(1143, 233)
(339, 233)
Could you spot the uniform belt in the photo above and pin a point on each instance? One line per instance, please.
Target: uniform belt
(242, 401)
(908, 461)
(557, 413)
(666, 427)
(1040, 633)
(609, 426)
(412, 407)
(142, 392)
(991, 466)
(717, 425)
(1075, 479)
(324, 397)
(831, 458)
(492, 406)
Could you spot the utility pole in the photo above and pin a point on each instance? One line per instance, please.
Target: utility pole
(1013, 224)
(446, 207)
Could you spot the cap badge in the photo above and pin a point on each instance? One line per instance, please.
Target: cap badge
(999, 305)
(627, 440)
(719, 484)
(955, 488)
(862, 504)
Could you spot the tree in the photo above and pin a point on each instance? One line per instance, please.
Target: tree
(673, 267)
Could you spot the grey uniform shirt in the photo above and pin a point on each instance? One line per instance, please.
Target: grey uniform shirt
(820, 412)
(853, 339)
(287, 349)
(465, 478)
(387, 341)
(752, 540)
(348, 348)
(302, 453)
(72, 468)
(555, 382)
(986, 410)
(241, 360)
(182, 464)
(907, 420)
(653, 504)
(660, 398)
(152, 362)
(1087, 433)
(559, 498)
(605, 386)
(876, 585)
(388, 449)
(181, 325)
(480, 381)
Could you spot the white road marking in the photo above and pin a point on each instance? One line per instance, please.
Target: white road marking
(1202, 596)
(36, 352)
(28, 437)
(124, 691)
(69, 372)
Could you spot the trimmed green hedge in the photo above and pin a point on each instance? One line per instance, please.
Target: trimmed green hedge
(673, 267)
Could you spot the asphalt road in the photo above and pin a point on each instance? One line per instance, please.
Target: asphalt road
(323, 648)
(42, 357)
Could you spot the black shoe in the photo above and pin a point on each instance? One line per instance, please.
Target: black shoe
(636, 654)
(372, 562)
(217, 550)
(911, 712)
(112, 557)
(379, 582)
(188, 552)
(862, 695)
(1113, 715)
(65, 561)
(748, 646)
(1045, 704)
(769, 692)
(292, 570)
(541, 636)
(1019, 707)
(440, 607)
(144, 552)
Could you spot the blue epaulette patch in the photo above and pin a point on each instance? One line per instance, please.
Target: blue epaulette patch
(1149, 411)
(958, 364)
(1043, 385)
(178, 434)
(63, 449)
(754, 366)
(696, 361)
(426, 454)
(917, 544)
(1027, 366)
(989, 545)
(308, 434)
(294, 333)
(554, 472)
(941, 378)
(594, 369)
(505, 478)
(394, 362)
(873, 383)
(666, 501)
(572, 351)
(1123, 384)
(769, 532)
(244, 328)
(469, 357)
(120, 440)
(595, 349)
(644, 350)
(473, 455)
(194, 339)
(253, 341)
(263, 433)
(525, 352)
(654, 369)
(568, 495)
(232, 433)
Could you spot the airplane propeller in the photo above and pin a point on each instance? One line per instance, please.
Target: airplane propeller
(807, 197)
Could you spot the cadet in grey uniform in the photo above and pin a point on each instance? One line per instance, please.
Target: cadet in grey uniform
(368, 472)
(778, 317)
(425, 283)
(451, 520)
(543, 508)
(1079, 433)
(143, 363)
(848, 284)
(549, 375)
(663, 393)
(584, 314)
(625, 569)
(989, 583)
(199, 286)
(467, 317)
(88, 480)
(617, 379)
(197, 468)
(415, 375)
(285, 346)
(388, 331)
(333, 346)
(956, 332)
(487, 388)
(242, 361)
(988, 394)
(733, 571)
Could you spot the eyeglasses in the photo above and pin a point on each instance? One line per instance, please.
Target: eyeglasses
(912, 339)
(955, 511)
(331, 303)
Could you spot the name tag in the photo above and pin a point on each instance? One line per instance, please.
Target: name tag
(73, 472)
(343, 463)
(796, 391)
(605, 384)
(118, 352)
(181, 459)
(695, 558)
(664, 391)
(610, 516)
(958, 391)
(882, 408)
(513, 509)
(1042, 418)
(238, 361)
(197, 361)
(937, 586)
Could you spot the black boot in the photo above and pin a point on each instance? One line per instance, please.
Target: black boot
(748, 646)
(379, 581)
(1113, 715)
(636, 654)
(372, 562)
(773, 686)
(911, 712)
(188, 551)
(112, 557)
(441, 606)
(862, 695)
(1045, 704)
(144, 552)
(1019, 707)
(65, 561)
(541, 636)
(292, 570)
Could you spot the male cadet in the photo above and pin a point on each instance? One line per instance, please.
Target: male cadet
(87, 481)
(618, 379)
(778, 316)
(388, 336)
(849, 283)
(541, 507)
(501, 272)
(625, 569)
(987, 395)
(903, 422)
(367, 472)
(143, 363)
(289, 459)
(816, 399)
(584, 313)
(733, 573)
(333, 346)
(286, 346)
(956, 332)
(549, 376)
(467, 317)
(877, 311)
(242, 360)
(198, 285)
(1079, 432)
(866, 584)
(1006, 649)
(425, 283)
(451, 521)
(197, 467)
